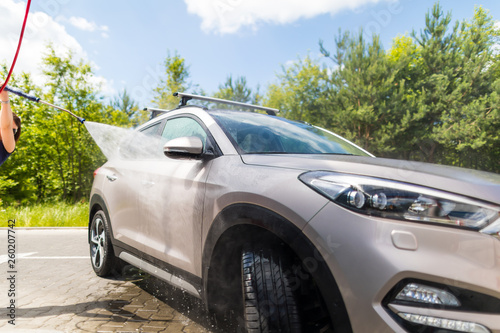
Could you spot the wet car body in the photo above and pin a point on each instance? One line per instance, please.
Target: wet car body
(188, 219)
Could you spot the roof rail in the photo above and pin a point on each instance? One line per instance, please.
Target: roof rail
(155, 112)
(186, 97)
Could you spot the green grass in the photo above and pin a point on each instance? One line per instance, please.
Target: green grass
(47, 215)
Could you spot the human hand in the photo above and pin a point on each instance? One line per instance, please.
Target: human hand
(4, 95)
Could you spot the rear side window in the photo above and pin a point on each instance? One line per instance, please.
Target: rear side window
(151, 130)
(144, 144)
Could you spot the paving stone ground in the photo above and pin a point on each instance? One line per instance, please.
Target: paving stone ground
(56, 290)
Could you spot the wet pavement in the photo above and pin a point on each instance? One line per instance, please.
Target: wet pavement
(54, 289)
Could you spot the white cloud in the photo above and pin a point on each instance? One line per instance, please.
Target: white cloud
(41, 29)
(82, 24)
(228, 16)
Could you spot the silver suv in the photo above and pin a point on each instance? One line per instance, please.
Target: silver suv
(281, 226)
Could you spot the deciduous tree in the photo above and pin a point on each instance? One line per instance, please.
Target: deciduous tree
(175, 80)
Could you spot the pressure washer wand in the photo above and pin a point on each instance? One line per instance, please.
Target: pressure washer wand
(38, 100)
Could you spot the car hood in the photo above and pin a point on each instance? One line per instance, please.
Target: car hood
(472, 183)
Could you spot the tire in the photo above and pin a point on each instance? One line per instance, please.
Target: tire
(102, 256)
(270, 304)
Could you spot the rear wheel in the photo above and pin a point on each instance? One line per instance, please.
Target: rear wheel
(102, 256)
(270, 304)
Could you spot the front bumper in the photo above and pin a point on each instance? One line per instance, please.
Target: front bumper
(369, 256)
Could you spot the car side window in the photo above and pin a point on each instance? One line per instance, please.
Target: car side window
(184, 126)
(151, 130)
(143, 144)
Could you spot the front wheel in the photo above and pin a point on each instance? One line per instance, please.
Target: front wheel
(270, 304)
(102, 256)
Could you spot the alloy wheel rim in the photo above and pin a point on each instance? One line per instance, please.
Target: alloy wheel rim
(98, 240)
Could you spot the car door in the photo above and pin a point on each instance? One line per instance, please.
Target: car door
(125, 181)
(171, 203)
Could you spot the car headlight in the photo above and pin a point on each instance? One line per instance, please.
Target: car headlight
(402, 201)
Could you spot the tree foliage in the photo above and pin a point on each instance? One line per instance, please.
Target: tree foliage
(55, 156)
(300, 92)
(176, 80)
(236, 90)
(433, 96)
(452, 116)
(125, 105)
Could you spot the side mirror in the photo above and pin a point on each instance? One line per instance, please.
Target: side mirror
(187, 146)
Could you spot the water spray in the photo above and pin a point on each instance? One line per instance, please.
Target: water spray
(38, 100)
(107, 137)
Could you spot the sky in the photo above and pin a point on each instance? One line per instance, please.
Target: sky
(126, 42)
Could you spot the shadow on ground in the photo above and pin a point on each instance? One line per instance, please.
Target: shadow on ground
(182, 302)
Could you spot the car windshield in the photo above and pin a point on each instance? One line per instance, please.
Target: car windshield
(254, 133)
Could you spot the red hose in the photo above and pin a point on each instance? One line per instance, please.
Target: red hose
(18, 46)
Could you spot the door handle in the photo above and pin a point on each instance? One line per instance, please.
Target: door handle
(112, 177)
